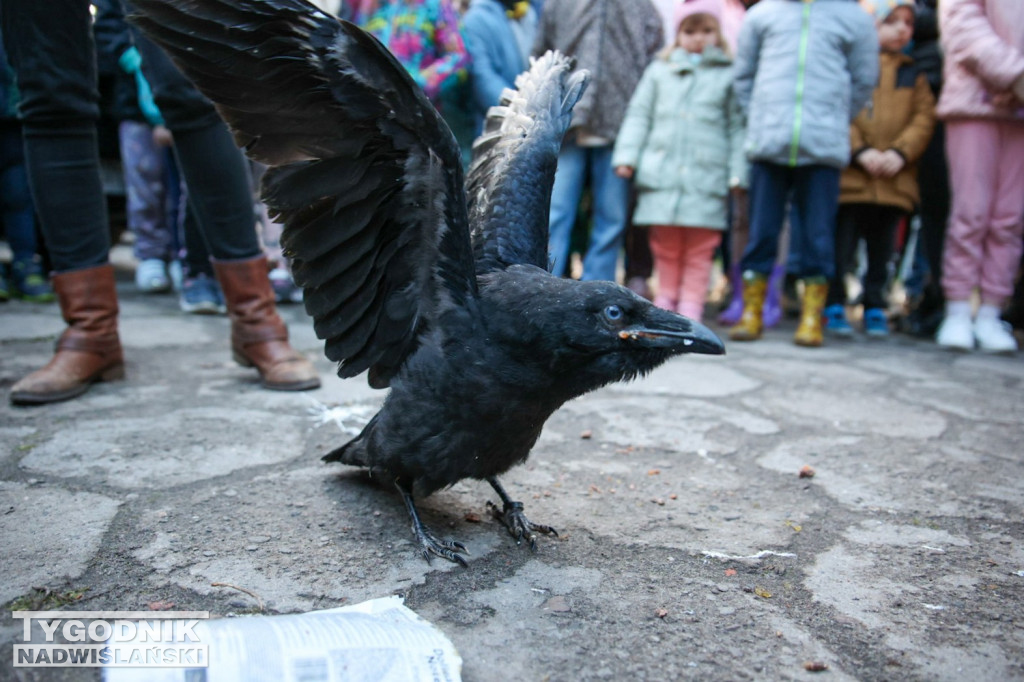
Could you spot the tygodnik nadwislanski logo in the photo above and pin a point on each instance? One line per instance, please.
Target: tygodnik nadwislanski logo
(115, 639)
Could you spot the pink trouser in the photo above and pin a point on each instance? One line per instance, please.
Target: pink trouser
(682, 259)
(986, 222)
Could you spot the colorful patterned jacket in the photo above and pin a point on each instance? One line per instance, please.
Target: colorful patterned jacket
(423, 35)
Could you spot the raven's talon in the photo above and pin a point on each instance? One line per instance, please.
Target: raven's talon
(446, 549)
(519, 527)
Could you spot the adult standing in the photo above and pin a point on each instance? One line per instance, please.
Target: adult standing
(499, 35)
(51, 48)
(615, 40)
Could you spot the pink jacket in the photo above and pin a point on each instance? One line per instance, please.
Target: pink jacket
(983, 42)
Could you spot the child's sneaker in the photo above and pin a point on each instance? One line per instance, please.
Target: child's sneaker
(836, 323)
(875, 323)
(151, 276)
(993, 335)
(956, 332)
(29, 284)
(201, 295)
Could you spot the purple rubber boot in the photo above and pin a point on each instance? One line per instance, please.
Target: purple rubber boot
(731, 315)
(772, 311)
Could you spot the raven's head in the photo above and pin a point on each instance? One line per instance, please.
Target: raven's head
(594, 333)
(615, 335)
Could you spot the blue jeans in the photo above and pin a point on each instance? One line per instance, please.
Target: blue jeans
(611, 195)
(815, 196)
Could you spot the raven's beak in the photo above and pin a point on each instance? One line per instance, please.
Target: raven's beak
(664, 329)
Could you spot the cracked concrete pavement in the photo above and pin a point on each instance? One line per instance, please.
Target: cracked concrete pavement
(690, 548)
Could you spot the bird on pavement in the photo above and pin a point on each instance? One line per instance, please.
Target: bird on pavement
(436, 287)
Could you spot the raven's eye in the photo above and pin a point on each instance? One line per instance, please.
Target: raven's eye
(613, 313)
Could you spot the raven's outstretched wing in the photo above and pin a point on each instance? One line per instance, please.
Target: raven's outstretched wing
(364, 172)
(509, 181)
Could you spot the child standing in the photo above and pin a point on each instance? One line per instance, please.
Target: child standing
(682, 137)
(803, 71)
(982, 103)
(880, 185)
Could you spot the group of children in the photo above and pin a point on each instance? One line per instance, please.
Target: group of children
(820, 117)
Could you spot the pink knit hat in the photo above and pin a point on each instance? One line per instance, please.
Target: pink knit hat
(688, 8)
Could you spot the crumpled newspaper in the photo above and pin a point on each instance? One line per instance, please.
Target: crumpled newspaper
(379, 640)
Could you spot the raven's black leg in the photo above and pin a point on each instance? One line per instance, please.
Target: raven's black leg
(512, 516)
(449, 549)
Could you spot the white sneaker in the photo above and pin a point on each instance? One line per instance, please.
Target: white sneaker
(151, 276)
(956, 333)
(994, 336)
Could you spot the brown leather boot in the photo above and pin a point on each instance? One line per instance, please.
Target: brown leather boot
(755, 288)
(259, 337)
(89, 350)
(810, 331)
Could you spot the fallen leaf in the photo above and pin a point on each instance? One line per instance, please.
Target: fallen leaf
(594, 488)
(763, 593)
(160, 605)
(557, 605)
(654, 472)
(795, 526)
(815, 666)
(587, 434)
(473, 517)
(673, 496)
(661, 613)
(806, 472)
(730, 572)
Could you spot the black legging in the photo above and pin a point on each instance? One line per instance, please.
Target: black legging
(876, 225)
(50, 46)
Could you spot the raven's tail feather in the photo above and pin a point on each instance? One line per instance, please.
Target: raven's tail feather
(352, 452)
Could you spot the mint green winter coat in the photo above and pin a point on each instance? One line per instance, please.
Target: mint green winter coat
(683, 135)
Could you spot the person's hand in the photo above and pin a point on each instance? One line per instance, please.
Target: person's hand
(891, 163)
(162, 137)
(871, 161)
(624, 172)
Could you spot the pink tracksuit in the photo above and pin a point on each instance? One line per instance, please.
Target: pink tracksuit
(984, 51)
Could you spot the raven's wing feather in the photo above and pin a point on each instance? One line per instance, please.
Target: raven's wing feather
(509, 182)
(364, 173)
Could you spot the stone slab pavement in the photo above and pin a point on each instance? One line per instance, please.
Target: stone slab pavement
(689, 549)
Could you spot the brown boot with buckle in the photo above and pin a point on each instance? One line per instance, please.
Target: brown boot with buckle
(89, 350)
(259, 337)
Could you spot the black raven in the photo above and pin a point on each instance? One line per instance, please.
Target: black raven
(438, 290)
